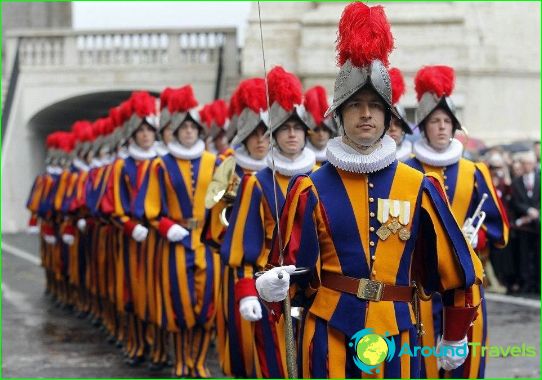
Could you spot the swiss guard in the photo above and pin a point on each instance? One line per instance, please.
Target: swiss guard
(246, 244)
(123, 185)
(399, 128)
(323, 128)
(172, 199)
(235, 335)
(358, 237)
(471, 194)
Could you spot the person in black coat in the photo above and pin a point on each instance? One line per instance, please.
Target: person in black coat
(526, 204)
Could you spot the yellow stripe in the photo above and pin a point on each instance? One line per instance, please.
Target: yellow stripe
(464, 190)
(428, 339)
(205, 175)
(184, 289)
(152, 197)
(237, 247)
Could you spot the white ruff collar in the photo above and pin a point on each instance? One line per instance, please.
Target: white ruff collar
(96, 163)
(427, 155)
(319, 153)
(347, 158)
(161, 148)
(246, 162)
(123, 153)
(79, 164)
(139, 154)
(183, 153)
(404, 151)
(288, 167)
(53, 169)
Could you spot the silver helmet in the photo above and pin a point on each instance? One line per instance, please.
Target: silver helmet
(250, 101)
(434, 85)
(364, 41)
(286, 99)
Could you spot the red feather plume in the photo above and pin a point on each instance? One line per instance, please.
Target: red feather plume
(234, 109)
(205, 115)
(316, 103)
(164, 97)
(143, 103)
(182, 100)
(251, 94)
(219, 112)
(284, 88)
(397, 84)
(364, 35)
(115, 114)
(126, 110)
(82, 131)
(438, 80)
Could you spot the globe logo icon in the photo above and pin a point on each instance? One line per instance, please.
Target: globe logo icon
(372, 349)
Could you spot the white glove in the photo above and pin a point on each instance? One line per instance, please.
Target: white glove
(139, 233)
(82, 224)
(33, 230)
(250, 308)
(469, 232)
(272, 288)
(68, 239)
(454, 353)
(176, 233)
(49, 239)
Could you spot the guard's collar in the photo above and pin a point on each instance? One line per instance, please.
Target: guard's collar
(183, 153)
(289, 167)
(347, 158)
(319, 153)
(404, 151)
(139, 154)
(243, 159)
(429, 156)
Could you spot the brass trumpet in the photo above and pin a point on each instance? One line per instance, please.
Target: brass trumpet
(479, 216)
(223, 187)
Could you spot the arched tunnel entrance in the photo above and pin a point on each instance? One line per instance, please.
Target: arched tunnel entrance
(61, 115)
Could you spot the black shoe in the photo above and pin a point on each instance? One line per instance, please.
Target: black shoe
(156, 366)
(134, 362)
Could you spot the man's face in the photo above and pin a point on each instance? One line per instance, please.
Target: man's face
(528, 164)
(221, 142)
(536, 148)
(363, 117)
(257, 143)
(319, 137)
(144, 136)
(290, 137)
(188, 133)
(439, 129)
(395, 131)
(167, 135)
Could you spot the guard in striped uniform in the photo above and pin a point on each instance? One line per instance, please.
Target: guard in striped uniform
(365, 226)
(172, 199)
(235, 335)
(124, 183)
(465, 182)
(246, 244)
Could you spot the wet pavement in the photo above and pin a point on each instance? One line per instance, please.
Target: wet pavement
(42, 340)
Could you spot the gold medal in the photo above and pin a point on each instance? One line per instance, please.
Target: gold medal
(404, 234)
(394, 226)
(383, 232)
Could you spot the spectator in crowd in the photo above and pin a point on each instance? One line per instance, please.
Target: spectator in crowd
(502, 260)
(525, 201)
(536, 149)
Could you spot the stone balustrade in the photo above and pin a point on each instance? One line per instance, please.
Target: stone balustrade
(122, 47)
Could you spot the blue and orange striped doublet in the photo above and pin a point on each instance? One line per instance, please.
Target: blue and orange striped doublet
(235, 343)
(245, 250)
(329, 224)
(464, 183)
(174, 193)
